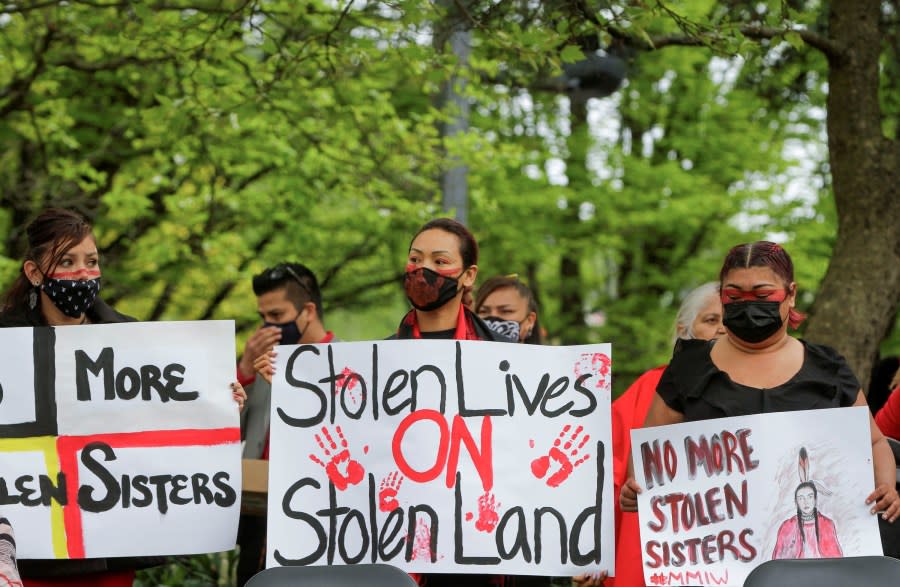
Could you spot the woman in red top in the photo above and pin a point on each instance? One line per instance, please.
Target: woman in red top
(700, 317)
(440, 271)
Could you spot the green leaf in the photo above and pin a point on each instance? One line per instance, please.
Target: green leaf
(795, 40)
(571, 54)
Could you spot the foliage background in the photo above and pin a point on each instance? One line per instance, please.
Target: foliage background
(210, 139)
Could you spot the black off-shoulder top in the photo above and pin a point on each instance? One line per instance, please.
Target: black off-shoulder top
(695, 387)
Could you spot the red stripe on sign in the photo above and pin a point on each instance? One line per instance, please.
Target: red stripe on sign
(68, 447)
(71, 511)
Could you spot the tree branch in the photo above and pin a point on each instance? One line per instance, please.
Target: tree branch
(162, 302)
(358, 252)
(229, 286)
(78, 64)
(18, 89)
(826, 45)
(344, 299)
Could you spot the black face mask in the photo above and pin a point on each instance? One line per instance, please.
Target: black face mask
(290, 334)
(428, 290)
(73, 297)
(753, 321)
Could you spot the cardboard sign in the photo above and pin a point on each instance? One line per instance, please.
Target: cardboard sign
(119, 439)
(442, 456)
(723, 496)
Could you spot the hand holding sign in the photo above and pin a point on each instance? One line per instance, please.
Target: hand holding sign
(265, 365)
(541, 465)
(340, 468)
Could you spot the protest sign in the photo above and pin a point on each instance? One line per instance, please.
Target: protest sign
(119, 439)
(442, 456)
(723, 496)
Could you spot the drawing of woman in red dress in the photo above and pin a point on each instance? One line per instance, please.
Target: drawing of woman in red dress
(809, 534)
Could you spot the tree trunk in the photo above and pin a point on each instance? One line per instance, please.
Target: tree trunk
(571, 287)
(860, 293)
(455, 179)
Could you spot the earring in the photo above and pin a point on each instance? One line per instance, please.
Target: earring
(33, 298)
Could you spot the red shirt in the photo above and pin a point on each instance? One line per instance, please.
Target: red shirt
(629, 411)
(888, 417)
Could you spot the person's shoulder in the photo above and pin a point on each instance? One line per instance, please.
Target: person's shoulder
(821, 358)
(638, 391)
(688, 373)
(788, 526)
(650, 377)
(822, 352)
(102, 313)
(687, 352)
(13, 319)
(484, 331)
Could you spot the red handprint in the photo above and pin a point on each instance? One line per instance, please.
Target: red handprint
(352, 472)
(347, 377)
(387, 492)
(541, 465)
(596, 363)
(487, 513)
(422, 541)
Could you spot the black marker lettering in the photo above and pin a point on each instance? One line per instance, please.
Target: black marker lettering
(292, 380)
(103, 365)
(86, 493)
(309, 519)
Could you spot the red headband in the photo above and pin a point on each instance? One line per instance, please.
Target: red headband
(732, 294)
(87, 273)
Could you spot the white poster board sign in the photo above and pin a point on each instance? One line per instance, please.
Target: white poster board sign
(442, 456)
(723, 496)
(119, 439)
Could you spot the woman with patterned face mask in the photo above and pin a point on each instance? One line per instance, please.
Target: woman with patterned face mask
(699, 317)
(60, 279)
(58, 286)
(508, 306)
(440, 269)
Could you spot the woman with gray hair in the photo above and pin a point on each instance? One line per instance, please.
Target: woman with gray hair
(700, 317)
